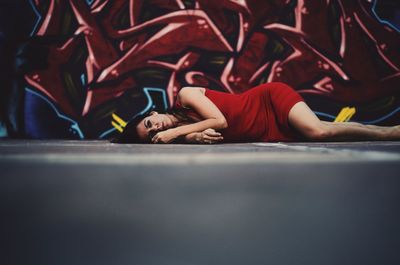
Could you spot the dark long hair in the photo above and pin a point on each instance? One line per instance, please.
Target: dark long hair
(130, 135)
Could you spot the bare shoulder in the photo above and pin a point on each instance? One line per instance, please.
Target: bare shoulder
(187, 94)
(189, 89)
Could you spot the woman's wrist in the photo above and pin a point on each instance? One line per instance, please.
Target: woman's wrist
(197, 137)
(176, 132)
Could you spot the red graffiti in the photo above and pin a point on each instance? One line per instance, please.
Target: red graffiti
(335, 49)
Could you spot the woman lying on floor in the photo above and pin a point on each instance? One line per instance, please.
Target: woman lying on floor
(267, 113)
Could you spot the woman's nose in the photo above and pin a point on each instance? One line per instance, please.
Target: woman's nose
(154, 128)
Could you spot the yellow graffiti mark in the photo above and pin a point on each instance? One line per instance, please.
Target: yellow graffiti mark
(345, 114)
(116, 126)
(118, 122)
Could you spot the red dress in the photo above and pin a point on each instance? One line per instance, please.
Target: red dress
(257, 115)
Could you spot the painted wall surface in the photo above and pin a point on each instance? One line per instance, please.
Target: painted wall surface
(95, 58)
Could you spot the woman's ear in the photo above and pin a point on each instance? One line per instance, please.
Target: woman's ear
(153, 113)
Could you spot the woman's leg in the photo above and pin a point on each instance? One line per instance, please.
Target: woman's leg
(308, 124)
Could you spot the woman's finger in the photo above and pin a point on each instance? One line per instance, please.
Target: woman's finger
(208, 138)
(155, 139)
(214, 138)
(213, 133)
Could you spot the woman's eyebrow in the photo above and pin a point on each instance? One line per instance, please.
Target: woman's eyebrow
(144, 123)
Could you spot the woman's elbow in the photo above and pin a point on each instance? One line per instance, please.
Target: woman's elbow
(222, 124)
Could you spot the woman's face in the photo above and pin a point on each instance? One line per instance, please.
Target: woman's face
(155, 122)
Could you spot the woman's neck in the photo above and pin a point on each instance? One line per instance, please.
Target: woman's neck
(175, 121)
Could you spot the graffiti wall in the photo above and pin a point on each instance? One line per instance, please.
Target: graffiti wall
(91, 59)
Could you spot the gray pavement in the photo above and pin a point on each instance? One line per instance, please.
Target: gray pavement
(92, 202)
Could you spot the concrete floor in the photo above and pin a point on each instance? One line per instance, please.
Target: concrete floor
(92, 202)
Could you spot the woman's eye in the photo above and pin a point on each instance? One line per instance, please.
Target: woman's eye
(148, 124)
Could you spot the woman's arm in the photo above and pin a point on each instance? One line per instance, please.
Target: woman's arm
(194, 98)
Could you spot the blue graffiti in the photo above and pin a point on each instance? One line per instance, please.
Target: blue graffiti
(83, 79)
(382, 20)
(39, 17)
(150, 104)
(74, 125)
(325, 115)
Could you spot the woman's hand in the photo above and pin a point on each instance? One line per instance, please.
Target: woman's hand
(209, 136)
(164, 137)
